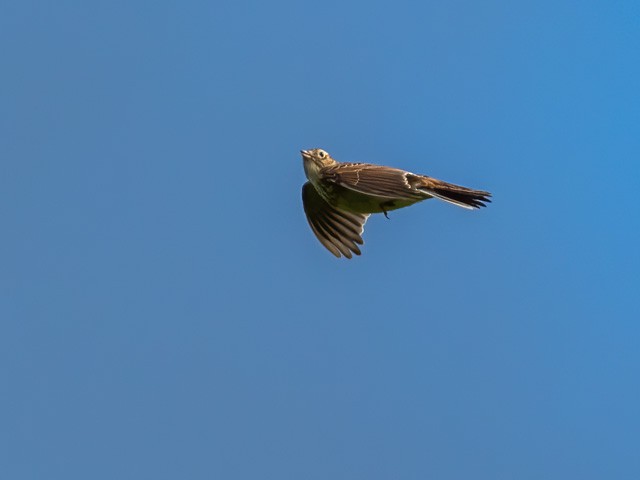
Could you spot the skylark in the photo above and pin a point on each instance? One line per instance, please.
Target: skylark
(339, 197)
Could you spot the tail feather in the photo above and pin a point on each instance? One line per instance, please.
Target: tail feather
(461, 196)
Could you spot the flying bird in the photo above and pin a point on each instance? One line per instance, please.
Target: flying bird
(339, 197)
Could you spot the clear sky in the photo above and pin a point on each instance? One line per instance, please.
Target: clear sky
(167, 313)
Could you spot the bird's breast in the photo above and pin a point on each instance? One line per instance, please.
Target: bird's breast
(357, 202)
(312, 171)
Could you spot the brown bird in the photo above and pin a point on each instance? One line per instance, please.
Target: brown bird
(339, 197)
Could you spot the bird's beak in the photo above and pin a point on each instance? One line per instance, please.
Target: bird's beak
(305, 153)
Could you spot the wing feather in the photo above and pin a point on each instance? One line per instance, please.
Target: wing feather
(376, 180)
(340, 232)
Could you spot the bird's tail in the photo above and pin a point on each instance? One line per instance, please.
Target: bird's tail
(461, 196)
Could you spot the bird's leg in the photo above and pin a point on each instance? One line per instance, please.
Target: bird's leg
(384, 210)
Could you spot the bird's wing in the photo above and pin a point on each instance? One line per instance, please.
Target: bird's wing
(339, 231)
(372, 180)
(397, 184)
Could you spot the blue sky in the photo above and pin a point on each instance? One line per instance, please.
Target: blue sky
(167, 312)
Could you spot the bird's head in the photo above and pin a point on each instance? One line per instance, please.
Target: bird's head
(314, 160)
(318, 157)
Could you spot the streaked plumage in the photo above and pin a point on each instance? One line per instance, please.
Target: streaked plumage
(339, 197)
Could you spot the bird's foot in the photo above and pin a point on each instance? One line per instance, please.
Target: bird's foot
(384, 210)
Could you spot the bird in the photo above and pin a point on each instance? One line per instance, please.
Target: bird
(339, 197)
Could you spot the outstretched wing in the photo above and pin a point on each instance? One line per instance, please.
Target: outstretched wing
(339, 231)
(396, 184)
(375, 180)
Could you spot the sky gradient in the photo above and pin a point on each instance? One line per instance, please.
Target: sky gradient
(166, 312)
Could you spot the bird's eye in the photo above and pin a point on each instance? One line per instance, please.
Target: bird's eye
(321, 154)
